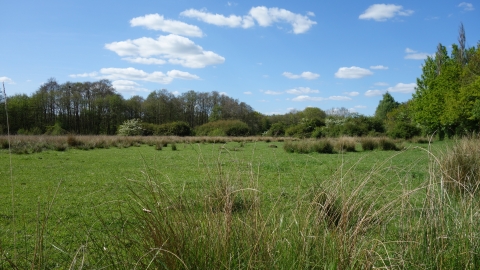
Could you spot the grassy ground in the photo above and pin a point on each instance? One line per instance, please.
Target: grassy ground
(77, 208)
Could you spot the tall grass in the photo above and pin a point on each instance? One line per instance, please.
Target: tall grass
(353, 219)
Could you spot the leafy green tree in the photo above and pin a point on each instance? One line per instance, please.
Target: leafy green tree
(386, 105)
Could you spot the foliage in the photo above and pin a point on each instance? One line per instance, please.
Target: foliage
(223, 128)
(448, 89)
(277, 129)
(130, 127)
(386, 105)
(400, 124)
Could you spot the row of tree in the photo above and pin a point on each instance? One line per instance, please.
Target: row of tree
(96, 108)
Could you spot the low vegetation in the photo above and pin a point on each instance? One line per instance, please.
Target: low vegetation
(242, 204)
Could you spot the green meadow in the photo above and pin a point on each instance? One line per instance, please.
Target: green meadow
(242, 204)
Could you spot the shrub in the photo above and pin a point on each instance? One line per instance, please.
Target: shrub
(403, 130)
(55, 130)
(173, 129)
(368, 143)
(387, 144)
(223, 128)
(130, 127)
(277, 129)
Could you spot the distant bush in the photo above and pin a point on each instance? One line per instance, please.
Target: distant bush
(306, 146)
(368, 143)
(387, 144)
(223, 128)
(55, 130)
(277, 129)
(403, 130)
(130, 127)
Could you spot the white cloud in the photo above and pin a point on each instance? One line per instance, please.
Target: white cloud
(309, 98)
(352, 94)
(132, 74)
(157, 22)
(223, 94)
(360, 107)
(466, 6)
(177, 74)
(412, 54)
(311, 14)
(247, 93)
(372, 93)
(84, 75)
(270, 92)
(301, 91)
(405, 88)
(6, 80)
(145, 61)
(305, 75)
(172, 48)
(262, 15)
(379, 67)
(126, 86)
(267, 16)
(218, 19)
(382, 12)
(352, 72)
(381, 84)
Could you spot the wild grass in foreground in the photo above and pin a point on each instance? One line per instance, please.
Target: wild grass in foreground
(253, 206)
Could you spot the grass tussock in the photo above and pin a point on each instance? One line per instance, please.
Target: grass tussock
(345, 144)
(461, 166)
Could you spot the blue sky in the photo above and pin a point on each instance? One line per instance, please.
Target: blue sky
(274, 55)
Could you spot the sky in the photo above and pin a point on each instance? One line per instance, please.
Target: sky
(276, 56)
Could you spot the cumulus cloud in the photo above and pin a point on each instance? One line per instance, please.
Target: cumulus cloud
(84, 75)
(126, 77)
(381, 84)
(126, 86)
(270, 92)
(382, 12)
(301, 91)
(305, 75)
(158, 22)
(145, 61)
(171, 48)
(379, 67)
(360, 107)
(405, 88)
(352, 94)
(466, 6)
(414, 55)
(309, 98)
(352, 72)
(262, 15)
(247, 93)
(6, 80)
(372, 93)
(218, 19)
(177, 74)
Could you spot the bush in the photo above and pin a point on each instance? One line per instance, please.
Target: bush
(130, 127)
(223, 128)
(368, 143)
(55, 130)
(324, 146)
(173, 129)
(277, 129)
(403, 130)
(387, 144)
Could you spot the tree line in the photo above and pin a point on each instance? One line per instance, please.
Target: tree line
(97, 108)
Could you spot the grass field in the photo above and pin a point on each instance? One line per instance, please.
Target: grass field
(234, 205)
